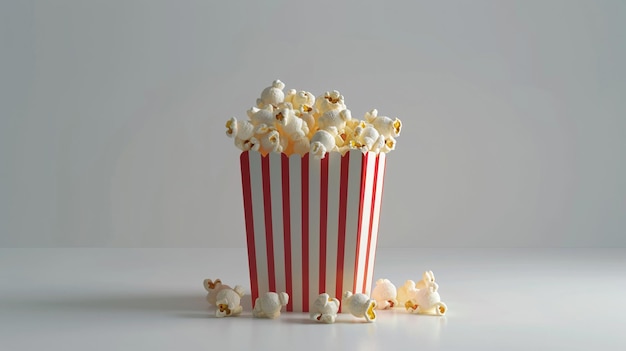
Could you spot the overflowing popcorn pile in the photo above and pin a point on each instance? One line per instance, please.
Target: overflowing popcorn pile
(298, 122)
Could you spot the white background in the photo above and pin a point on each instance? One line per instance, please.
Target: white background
(112, 116)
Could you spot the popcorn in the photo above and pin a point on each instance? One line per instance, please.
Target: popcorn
(359, 305)
(367, 139)
(407, 292)
(301, 101)
(269, 304)
(298, 123)
(324, 309)
(321, 143)
(385, 125)
(239, 129)
(213, 287)
(329, 101)
(228, 302)
(410, 288)
(335, 119)
(427, 299)
(291, 126)
(269, 139)
(385, 294)
(263, 115)
(272, 95)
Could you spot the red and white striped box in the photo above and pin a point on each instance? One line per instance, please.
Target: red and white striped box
(311, 225)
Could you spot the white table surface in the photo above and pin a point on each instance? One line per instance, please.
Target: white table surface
(153, 299)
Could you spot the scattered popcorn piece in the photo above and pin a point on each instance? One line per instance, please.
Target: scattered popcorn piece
(324, 309)
(359, 305)
(228, 302)
(427, 299)
(272, 95)
(406, 292)
(321, 143)
(269, 304)
(385, 294)
(428, 276)
(213, 287)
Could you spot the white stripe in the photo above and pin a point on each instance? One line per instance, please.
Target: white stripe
(334, 178)
(256, 185)
(295, 200)
(277, 220)
(367, 208)
(352, 218)
(314, 228)
(375, 219)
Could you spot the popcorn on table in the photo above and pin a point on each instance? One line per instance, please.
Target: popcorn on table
(228, 301)
(212, 288)
(426, 299)
(359, 305)
(385, 294)
(269, 305)
(324, 309)
(300, 123)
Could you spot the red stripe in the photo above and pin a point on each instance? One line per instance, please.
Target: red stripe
(287, 227)
(247, 205)
(305, 232)
(360, 220)
(323, 222)
(269, 237)
(380, 200)
(369, 234)
(343, 205)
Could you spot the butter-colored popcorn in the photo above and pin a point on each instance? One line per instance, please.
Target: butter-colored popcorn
(321, 143)
(359, 305)
(389, 144)
(324, 309)
(300, 100)
(269, 305)
(228, 302)
(269, 139)
(299, 146)
(427, 299)
(272, 95)
(290, 125)
(212, 288)
(384, 293)
(427, 276)
(407, 292)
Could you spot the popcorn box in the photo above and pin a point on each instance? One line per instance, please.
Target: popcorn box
(311, 225)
